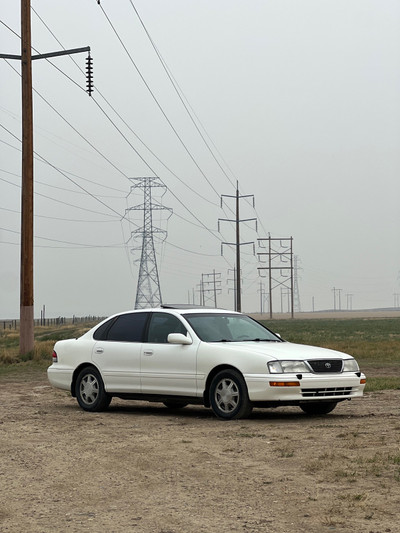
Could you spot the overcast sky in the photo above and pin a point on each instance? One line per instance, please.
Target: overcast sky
(297, 100)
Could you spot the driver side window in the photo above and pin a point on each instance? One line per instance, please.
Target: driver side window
(161, 325)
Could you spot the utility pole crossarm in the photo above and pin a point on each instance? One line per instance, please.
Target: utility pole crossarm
(236, 221)
(62, 53)
(234, 196)
(49, 54)
(10, 56)
(236, 244)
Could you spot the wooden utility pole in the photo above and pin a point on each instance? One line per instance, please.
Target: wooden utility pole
(26, 288)
(237, 244)
(26, 343)
(238, 268)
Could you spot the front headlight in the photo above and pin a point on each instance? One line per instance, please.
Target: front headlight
(282, 367)
(274, 367)
(350, 365)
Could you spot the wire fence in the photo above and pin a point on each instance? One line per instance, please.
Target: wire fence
(58, 321)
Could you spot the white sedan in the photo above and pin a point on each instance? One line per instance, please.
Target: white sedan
(219, 359)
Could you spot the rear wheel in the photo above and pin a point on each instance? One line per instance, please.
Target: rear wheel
(318, 408)
(89, 390)
(229, 398)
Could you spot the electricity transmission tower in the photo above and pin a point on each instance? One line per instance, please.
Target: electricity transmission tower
(264, 297)
(296, 294)
(210, 286)
(279, 258)
(337, 291)
(148, 292)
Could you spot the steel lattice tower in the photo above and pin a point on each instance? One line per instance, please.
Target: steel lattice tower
(296, 295)
(148, 292)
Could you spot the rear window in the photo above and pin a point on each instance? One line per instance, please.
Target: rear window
(123, 328)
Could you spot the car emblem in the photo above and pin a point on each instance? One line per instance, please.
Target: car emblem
(328, 365)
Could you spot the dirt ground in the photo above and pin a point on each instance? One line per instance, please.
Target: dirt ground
(139, 467)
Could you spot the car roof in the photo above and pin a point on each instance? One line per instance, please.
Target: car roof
(173, 310)
(180, 309)
(187, 308)
(190, 309)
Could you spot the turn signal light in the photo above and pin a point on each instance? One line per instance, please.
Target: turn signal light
(363, 381)
(284, 384)
(55, 358)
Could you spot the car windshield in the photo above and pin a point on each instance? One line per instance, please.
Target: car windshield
(227, 327)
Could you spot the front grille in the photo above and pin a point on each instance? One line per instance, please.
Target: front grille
(328, 391)
(326, 365)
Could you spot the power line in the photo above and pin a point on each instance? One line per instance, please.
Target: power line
(125, 123)
(62, 219)
(169, 243)
(38, 182)
(157, 102)
(113, 123)
(120, 245)
(186, 105)
(63, 174)
(179, 93)
(11, 30)
(202, 225)
(100, 153)
(72, 127)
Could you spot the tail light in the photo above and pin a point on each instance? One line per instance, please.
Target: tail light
(55, 357)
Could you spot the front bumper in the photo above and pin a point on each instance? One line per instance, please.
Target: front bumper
(311, 387)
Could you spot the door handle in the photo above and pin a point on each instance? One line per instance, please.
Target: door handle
(99, 350)
(148, 352)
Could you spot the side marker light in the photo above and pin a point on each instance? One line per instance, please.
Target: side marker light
(284, 384)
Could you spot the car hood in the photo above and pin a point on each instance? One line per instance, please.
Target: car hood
(285, 350)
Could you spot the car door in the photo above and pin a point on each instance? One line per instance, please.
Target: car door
(117, 352)
(168, 369)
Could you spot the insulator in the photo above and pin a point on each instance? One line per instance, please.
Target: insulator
(89, 75)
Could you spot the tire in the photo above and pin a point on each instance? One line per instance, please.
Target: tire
(318, 408)
(175, 404)
(89, 390)
(229, 398)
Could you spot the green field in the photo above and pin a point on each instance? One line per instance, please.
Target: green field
(375, 343)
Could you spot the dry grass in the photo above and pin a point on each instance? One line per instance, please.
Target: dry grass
(45, 337)
(374, 342)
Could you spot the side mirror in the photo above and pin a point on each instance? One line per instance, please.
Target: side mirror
(178, 338)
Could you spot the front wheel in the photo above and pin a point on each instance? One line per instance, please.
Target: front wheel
(318, 408)
(229, 398)
(89, 390)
